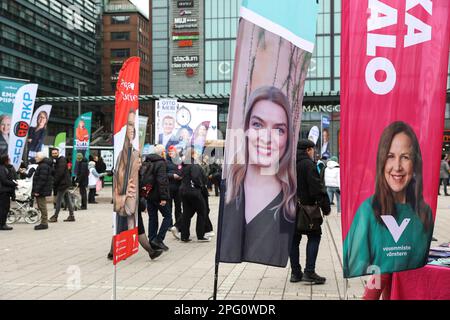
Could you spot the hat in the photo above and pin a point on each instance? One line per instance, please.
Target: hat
(304, 144)
(334, 158)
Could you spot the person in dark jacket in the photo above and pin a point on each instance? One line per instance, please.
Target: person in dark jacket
(61, 184)
(174, 174)
(100, 166)
(191, 194)
(215, 175)
(7, 190)
(82, 179)
(42, 187)
(159, 199)
(310, 191)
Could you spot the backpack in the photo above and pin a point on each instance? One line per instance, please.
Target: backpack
(146, 179)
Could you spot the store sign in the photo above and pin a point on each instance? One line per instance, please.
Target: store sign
(186, 26)
(182, 62)
(185, 59)
(185, 12)
(175, 38)
(329, 108)
(185, 43)
(185, 4)
(184, 20)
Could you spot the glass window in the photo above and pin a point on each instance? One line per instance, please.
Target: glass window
(120, 19)
(120, 53)
(120, 36)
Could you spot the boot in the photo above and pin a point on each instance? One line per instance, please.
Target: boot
(70, 218)
(313, 277)
(296, 276)
(153, 253)
(5, 227)
(53, 218)
(41, 227)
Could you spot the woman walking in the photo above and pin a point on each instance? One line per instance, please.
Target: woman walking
(7, 187)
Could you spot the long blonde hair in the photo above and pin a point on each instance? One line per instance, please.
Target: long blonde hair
(286, 171)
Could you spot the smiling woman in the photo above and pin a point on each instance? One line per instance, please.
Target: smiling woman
(260, 197)
(392, 229)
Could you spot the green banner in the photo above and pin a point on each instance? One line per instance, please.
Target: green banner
(81, 138)
(8, 89)
(60, 143)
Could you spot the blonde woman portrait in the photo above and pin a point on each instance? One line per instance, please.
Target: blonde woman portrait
(259, 212)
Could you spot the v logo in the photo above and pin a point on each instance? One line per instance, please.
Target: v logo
(395, 229)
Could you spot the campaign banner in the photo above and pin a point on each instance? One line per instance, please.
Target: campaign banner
(394, 63)
(20, 123)
(60, 143)
(126, 161)
(273, 50)
(184, 124)
(81, 138)
(38, 130)
(8, 90)
(326, 145)
(143, 120)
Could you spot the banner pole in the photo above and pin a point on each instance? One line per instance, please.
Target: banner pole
(345, 289)
(219, 238)
(114, 283)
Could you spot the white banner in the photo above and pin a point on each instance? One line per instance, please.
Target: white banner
(38, 130)
(20, 122)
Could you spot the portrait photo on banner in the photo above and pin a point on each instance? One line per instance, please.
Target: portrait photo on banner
(262, 133)
(126, 176)
(392, 229)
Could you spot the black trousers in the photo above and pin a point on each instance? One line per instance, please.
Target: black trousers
(208, 224)
(176, 198)
(4, 207)
(91, 195)
(83, 195)
(193, 202)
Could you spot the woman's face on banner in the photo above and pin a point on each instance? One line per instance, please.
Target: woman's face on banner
(267, 133)
(130, 126)
(5, 125)
(325, 136)
(81, 124)
(399, 168)
(42, 120)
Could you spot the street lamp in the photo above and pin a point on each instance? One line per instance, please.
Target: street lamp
(80, 83)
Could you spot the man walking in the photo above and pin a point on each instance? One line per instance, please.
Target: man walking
(159, 199)
(42, 187)
(82, 179)
(310, 191)
(61, 184)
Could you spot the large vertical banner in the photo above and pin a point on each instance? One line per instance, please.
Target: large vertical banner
(8, 90)
(81, 138)
(394, 74)
(38, 130)
(274, 46)
(60, 143)
(143, 120)
(20, 122)
(126, 161)
(326, 144)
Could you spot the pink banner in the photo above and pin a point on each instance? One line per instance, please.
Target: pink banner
(394, 78)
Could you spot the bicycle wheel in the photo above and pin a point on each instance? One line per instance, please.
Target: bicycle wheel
(32, 216)
(12, 216)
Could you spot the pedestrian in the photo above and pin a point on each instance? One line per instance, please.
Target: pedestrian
(310, 191)
(204, 163)
(215, 175)
(159, 199)
(444, 174)
(93, 180)
(61, 183)
(42, 187)
(82, 179)
(191, 195)
(100, 166)
(333, 181)
(174, 173)
(7, 190)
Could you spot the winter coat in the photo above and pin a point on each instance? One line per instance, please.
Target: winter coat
(43, 178)
(83, 173)
(173, 168)
(310, 189)
(332, 174)
(62, 175)
(7, 184)
(193, 178)
(215, 171)
(94, 176)
(160, 190)
(100, 166)
(444, 170)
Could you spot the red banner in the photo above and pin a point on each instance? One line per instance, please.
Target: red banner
(126, 161)
(394, 75)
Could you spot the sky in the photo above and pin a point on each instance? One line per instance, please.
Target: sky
(143, 6)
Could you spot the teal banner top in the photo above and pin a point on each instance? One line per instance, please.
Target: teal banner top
(295, 16)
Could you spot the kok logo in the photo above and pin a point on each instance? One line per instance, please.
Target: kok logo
(21, 129)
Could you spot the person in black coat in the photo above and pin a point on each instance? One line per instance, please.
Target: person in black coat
(100, 166)
(174, 174)
(192, 184)
(310, 191)
(7, 190)
(215, 175)
(82, 179)
(42, 187)
(61, 184)
(159, 199)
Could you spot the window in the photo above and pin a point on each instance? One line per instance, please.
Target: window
(120, 53)
(120, 19)
(118, 36)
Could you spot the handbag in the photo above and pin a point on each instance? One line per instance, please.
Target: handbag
(309, 218)
(98, 185)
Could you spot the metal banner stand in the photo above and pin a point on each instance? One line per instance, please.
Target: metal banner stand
(219, 237)
(114, 283)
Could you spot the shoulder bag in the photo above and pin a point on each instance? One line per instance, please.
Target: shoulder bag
(309, 218)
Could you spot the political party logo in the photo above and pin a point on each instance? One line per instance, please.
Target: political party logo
(21, 129)
(395, 230)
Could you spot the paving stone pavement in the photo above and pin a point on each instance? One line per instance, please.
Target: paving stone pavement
(68, 261)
